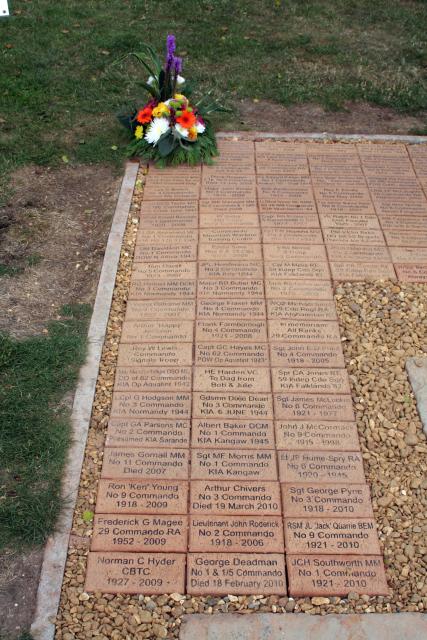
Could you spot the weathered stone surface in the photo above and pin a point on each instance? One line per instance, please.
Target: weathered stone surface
(417, 373)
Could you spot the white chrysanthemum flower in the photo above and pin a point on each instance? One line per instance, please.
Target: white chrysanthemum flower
(182, 130)
(200, 128)
(180, 80)
(157, 128)
(151, 80)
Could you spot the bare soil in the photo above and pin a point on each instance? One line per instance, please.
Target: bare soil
(312, 118)
(53, 233)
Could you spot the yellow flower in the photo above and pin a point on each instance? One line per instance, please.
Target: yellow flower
(192, 133)
(139, 132)
(179, 96)
(161, 110)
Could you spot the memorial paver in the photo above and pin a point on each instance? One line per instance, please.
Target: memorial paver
(231, 447)
(304, 500)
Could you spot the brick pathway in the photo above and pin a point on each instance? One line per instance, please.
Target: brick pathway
(232, 434)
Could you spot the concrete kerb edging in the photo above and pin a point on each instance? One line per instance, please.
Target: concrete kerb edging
(334, 137)
(300, 626)
(55, 554)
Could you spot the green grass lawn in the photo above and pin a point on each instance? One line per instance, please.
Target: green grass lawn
(35, 374)
(59, 89)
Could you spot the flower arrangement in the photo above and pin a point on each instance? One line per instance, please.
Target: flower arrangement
(170, 129)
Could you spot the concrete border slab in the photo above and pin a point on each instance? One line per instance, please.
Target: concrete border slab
(416, 369)
(333, 137)
(292, 626)
(55, 554)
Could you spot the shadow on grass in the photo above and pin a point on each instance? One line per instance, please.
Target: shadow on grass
(35, 376)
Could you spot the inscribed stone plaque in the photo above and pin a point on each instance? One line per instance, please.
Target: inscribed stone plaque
(235, 497)
(297, 221)
(166, 236)
(224, 464)
(226, 220)
(179, 208)
(332, 177)
(232, 354)
(327, 500)
(232, 405)
(164, 271)
(319, 435)
(229, 168)
(231, 330)
(232, 379)
(235, 150)
(295, 252)
(296, 270)
(310, 380)
(152, 433)
(114, 532)
(142, 496)
(165, 253)
(409, 254)
(182, 171)
(406, 223)
(230, 270)
(293, 237)
(231, 309)
(157, 331)
(151, 405)
(144, 290)
(321, 466)
(230, 252)
(247, 204)
(384, 150)
(167, 309)
(169, 220)
(303, 289)
(377, 167)
(230, 236)
(133, 464)
(164, 187)
(298, 406)
(343, 199)
(243, 434)
(306, 355)
(353, 236)
(358, 253)
(395, 203)
(412, 272)
(153, 379)
(302, 309)
(228, 187)
(219, 573)
(303, 331)
(281, 158)
(400, 238)
(230, 288)
(155, 354)
(289, 201)
(349, 220)
(345, 271)
(149, 573)
(333, 575)
(335, 535)
(239, 534)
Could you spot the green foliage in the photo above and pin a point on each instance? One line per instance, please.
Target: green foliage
(204, 149)
(35, 375)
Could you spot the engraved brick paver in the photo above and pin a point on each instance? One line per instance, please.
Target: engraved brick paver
(232, 448)
(326, 500)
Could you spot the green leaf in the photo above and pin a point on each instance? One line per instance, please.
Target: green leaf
(88, 516)
(166, 144)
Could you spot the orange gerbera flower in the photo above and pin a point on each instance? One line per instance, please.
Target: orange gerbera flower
(144, 115)
(186, 119)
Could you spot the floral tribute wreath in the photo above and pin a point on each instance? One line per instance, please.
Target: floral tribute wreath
(169, 129)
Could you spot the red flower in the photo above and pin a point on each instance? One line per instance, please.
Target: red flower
(144, 115)
(187, 119)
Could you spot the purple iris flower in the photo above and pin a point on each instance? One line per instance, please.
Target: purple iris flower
(178, 64)
(170, 50)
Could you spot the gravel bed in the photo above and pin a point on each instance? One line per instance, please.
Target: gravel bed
(382, 324)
